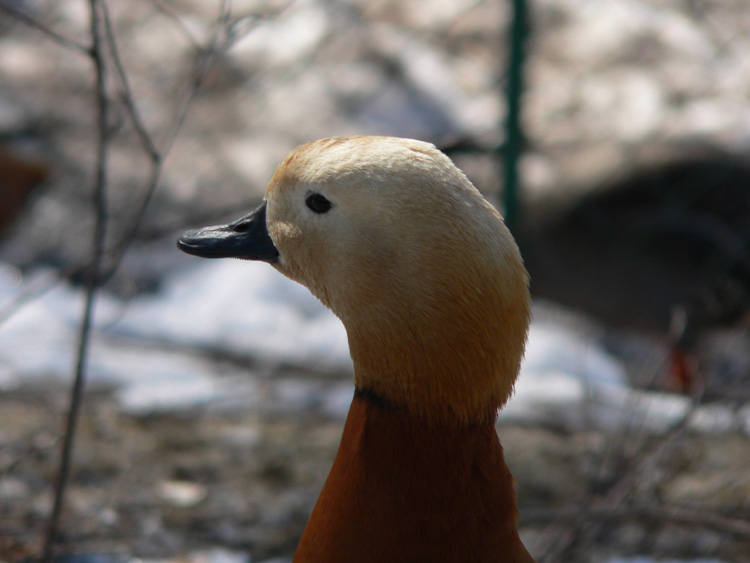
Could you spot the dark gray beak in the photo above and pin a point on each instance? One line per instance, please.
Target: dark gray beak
(246, 238)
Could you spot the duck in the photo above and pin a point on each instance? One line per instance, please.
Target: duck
(430, 286)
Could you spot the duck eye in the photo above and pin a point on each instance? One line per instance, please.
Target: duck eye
(318, 203)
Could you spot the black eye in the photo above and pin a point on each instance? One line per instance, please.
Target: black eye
(318, 203)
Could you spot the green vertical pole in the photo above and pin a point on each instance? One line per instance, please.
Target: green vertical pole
(513, 146)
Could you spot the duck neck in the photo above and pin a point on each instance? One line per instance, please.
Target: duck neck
(441, 360)
(404, 490)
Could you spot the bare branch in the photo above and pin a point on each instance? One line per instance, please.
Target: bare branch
(55, 36)
(34, 291)
(680, 515)
(220, 41)
(100, 211)
(612, 498)
(621, 488)
(175, 17)
(126, 93)
(158, 156)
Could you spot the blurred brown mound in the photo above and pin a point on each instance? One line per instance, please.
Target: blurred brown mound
(19, 175)
(664, 248)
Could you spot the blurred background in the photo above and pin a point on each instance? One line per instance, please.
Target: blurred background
(216, 391)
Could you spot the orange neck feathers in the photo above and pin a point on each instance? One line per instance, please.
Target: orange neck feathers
(404, 490)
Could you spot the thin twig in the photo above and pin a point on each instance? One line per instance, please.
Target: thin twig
(100, 210)
(212, 52)
(111, 256)
(226, 33)
(126, 92)
(33, 291)
(156, 157)
(627, 481)
(100, 25)
(175, 17)
(574, 528)
(681, 515)
(55, 36)
(207, 57)
(217, 46)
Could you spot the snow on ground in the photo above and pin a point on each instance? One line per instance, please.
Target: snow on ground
(146, 348)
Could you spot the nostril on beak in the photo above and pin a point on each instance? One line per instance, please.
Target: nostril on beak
(241, 227)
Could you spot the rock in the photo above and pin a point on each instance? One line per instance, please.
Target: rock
(182, 494)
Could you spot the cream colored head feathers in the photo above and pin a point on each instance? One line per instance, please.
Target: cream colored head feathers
(417, 264)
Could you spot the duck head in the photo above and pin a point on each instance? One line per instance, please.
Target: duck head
(420, 268)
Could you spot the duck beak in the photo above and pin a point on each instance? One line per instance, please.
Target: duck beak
(246, 238)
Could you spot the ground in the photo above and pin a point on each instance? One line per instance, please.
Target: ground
(170, 486)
